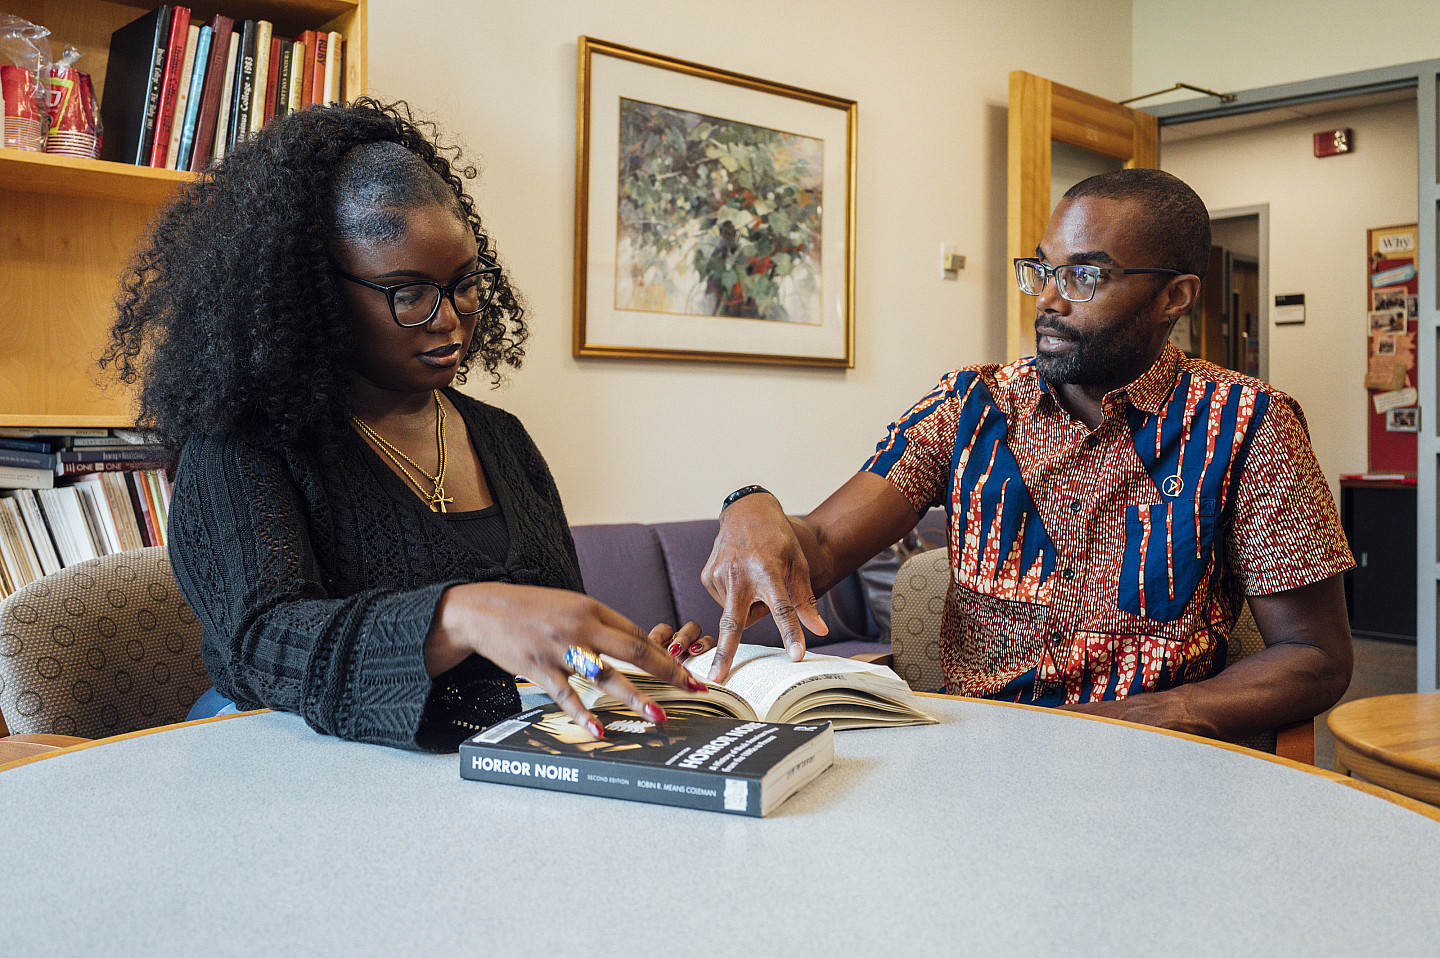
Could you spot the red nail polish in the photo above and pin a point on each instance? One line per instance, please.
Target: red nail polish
(596, 729)
(695, 685)
(675, 648)
(697, 648)
(654, 713)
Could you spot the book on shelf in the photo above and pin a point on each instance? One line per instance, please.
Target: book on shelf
(170, 84)
(134, 72)
(333, 62)
(25, 459)
(32, 432)
(764, 685)
(244, 91)
(693, 761)
(284, 52)
(211, 94)
(182, 97)
(322, 57)
(272, 77)
(264, 33)
(66, 518)
(186, 143)
(295, 96)
(226, 119)
(17, 477)
(26, 445)
(35, 527)
(98, 519)
(22, 565)
(147, 451)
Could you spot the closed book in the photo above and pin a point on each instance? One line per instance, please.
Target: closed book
(182, 99)
(39, 530)
(16, 477)
(31, 432)
(108, 465)
(159, 501)
(244, 92)
(264, 33)
(220, 29)
(322, 56)
(27, 460)
(170, 84)
(307, 71)
(272, 77)
(135, 485)
(297, 77)
(225, 122)
(193, 99)
(25, 445)
(149, 451)
(280, 101)
(333, 65)
(97, 514)
(16, 551)
(122, 513)
(134, 73)
(714, 764)
(67, 521)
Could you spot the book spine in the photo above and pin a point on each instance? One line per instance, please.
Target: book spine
(590, 776)
(134, 485)
(334, 64)
(307, 75)
(272, 77)
(131, 66)
(27, 460)
(193, 99)
(26, 432)
(159, 502)
(109, 465)
(220, 26)
(170, 84)
(264, 33)
(227, 103)
(281, 99)
(322, 43)
(58, 521)
(89, 522)
(14, 547)
(297, 77)
(25, 445)
(13, 477)
(244, 85)
(182, 97)
(40, 535)
(102, 523)
(148, 451)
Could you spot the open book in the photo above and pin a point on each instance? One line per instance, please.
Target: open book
(764, 685)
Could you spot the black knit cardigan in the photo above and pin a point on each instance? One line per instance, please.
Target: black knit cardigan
(315, 576)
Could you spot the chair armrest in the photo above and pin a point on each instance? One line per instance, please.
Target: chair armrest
(1296, 742)
(15, 748)
(874, 658)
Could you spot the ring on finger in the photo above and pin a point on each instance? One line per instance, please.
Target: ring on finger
(583, 662)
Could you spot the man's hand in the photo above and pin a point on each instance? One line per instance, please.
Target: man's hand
(759, 564)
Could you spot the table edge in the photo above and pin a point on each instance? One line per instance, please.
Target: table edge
(1379, 754)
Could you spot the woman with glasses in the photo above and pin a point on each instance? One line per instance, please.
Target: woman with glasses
(363, 544)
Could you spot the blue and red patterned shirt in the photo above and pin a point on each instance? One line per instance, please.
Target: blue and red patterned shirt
(1089, 565)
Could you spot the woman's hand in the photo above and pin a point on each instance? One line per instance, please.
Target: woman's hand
(683, 645)
(526, 629)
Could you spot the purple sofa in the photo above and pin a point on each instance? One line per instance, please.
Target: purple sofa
(651, 574)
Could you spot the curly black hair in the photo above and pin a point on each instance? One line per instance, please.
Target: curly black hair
(231, 317)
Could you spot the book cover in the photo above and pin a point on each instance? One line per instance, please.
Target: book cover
(714, 764)
(280, 102)
(27, 460)
(110, 465)
(264, 33)
(333, 63)
(182, 97)
(322, 58)
(765, 685)
(220, 27)
(244, 84)
(272, 77)
(159, 501)
(15, 477)
(297, 77)
(35, 525)
(226, 120)
(46, 432)
(192, 100)
(98, 518)
(25, 445)
(117, 503)
(148, 451)
(134, 70)
(135, 485)
(15, 548)
(170, 83)
(307, 73)
(67, 521)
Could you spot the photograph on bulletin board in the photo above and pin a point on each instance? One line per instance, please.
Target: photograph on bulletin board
(1391, 327)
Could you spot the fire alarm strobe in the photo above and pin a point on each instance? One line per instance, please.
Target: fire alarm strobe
(1333, 142)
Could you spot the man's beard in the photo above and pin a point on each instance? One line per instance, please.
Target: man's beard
(1106, 358)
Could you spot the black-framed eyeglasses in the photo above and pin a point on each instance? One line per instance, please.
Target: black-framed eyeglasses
(1076, 283)
(415, 304)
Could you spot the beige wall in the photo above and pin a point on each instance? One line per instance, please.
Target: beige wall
(1319, 212)
(648, 441)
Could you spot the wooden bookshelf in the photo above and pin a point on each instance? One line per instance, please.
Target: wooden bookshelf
(68, 226)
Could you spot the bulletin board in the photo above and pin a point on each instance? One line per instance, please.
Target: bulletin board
(1392, 326)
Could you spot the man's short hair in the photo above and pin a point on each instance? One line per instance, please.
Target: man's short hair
(1173, 222)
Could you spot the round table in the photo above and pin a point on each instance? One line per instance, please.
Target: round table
(1000, 831)
(1391, 740)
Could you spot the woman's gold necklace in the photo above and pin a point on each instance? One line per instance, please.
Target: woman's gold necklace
(436, 496)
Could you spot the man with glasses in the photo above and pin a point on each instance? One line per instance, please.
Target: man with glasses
(1111, 502)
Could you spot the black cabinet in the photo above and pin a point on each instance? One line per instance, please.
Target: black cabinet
(1379, 520)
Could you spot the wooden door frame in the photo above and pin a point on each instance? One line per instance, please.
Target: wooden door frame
(1042, 110)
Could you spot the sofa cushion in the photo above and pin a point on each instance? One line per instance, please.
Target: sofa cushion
(622, 567)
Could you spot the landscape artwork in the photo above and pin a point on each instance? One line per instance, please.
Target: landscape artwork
(717, 217)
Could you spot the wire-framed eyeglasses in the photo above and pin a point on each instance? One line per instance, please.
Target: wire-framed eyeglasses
(1076, 283)
(415, 304)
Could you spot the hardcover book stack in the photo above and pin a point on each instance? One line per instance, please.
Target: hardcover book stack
(180, 93)
(71, 497)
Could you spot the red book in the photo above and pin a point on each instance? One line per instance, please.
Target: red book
(272, 78)
(322, 42)
(223, 27)
(307, 78)
(170, 85)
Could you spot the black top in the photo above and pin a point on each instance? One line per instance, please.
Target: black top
(315, 577)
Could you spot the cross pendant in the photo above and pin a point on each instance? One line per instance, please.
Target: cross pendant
(438, 500)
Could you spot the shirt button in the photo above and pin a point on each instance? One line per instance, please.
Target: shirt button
(1068, 574)
(1075, 505)
(1091, 442)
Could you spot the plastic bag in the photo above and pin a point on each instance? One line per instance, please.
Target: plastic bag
(74, 127)
(24, 82)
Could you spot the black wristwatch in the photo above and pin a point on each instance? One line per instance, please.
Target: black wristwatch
(741, 493)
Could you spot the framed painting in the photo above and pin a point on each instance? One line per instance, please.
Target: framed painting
(714, 214)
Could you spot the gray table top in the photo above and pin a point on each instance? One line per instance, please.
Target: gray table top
(1000, 831)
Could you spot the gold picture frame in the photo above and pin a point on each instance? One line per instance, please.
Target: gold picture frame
(714, 214)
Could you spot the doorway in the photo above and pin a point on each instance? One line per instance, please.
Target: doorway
(1224, 327)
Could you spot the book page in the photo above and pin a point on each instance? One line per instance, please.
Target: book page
(763, 675)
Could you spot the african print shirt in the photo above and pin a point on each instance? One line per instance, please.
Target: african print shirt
(1097, 565)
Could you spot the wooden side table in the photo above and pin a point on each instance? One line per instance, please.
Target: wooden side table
(1392, 741)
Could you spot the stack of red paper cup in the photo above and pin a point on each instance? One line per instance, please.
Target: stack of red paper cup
(72, 114)
(24, 123)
